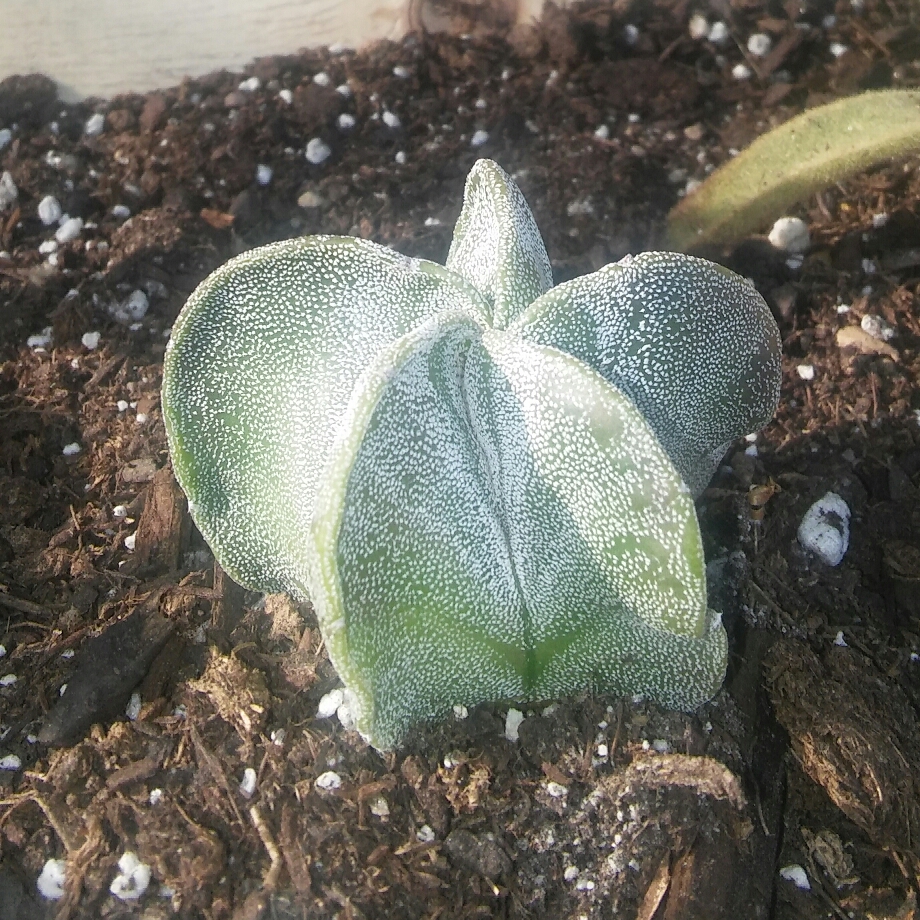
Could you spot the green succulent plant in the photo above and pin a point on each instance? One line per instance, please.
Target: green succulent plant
(826, 144)
(483, 484)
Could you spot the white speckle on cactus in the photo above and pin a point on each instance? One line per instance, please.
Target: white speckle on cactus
(825, 529)
(790, 234)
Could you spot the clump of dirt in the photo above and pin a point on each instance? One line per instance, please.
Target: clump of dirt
(188, 732)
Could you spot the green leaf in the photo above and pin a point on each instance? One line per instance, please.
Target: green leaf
(257, 376)
(497, 246)
(822, 146)
(498, 521)
(691, 343)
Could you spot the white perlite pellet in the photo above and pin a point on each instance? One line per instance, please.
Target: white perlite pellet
(329, 703)
(317, 151)
(479, 138)
(698, 27)
(513, 723)
(790, 234)
(8, 191)
(718, 33)
(90, 340)
(806, 371)
(328, 781)
(50, 883)
(345, 122)
(132, 880)
(72, 449)
(94, 125)
(6, 136)
(741, 72)
(391, 120)
(49, 210)
(825, 529)
(796, 875)
(286, 96)
(263, 174)
(69, 230)
(878, 327)
(248, 783)
(759, 44)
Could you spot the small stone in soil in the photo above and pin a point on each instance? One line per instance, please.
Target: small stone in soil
(825, 529)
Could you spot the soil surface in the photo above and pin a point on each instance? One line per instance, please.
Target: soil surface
(179, 682)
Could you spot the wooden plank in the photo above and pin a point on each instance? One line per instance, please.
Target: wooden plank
(106, 47)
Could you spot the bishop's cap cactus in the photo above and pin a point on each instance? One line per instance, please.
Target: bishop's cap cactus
(483, 484)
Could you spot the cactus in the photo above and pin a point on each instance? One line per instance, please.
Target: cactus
(483, 484)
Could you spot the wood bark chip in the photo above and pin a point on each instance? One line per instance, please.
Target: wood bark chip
(855, 732)
(108, 667)
(163, 526)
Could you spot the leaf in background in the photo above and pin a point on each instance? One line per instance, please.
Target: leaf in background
(257, 375)
(499, 522)
(788, 164)
(691, 343)
(497, 246)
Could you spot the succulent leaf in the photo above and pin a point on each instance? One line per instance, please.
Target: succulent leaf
(824, 145)
(498, 521)
(258, 373)
(692, 344)
(497, 246)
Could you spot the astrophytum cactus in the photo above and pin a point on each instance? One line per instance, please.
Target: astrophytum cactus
(484, 485)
